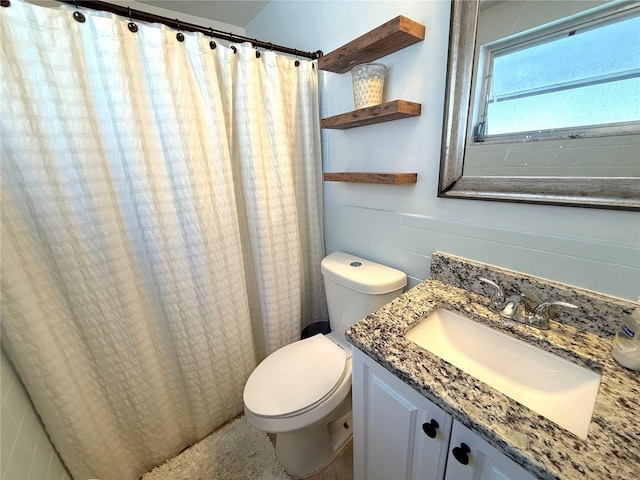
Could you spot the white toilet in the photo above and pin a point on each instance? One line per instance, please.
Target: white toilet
(302, 392)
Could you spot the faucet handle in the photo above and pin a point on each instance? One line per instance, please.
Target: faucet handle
(540, 315)
(497, 295)
(543, 308)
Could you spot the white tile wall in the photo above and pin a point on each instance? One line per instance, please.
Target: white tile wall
(601, 156)
(406, 242)
(25, 450)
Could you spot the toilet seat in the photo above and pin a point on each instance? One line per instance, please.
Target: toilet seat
(295, 378)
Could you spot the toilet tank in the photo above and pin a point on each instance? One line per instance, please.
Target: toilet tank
(356, 287)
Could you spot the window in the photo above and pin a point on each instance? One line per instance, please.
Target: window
(574, 79)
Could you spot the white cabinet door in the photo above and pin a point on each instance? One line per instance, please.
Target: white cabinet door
(471, 458)
(388, 417)
(431, 442)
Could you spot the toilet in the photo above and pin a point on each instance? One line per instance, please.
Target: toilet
(302, 392)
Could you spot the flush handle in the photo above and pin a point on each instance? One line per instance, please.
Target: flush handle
(430, 428)
(461, 453)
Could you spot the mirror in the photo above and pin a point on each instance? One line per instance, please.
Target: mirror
(582, 191)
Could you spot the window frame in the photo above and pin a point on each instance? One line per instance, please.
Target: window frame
(602, 15)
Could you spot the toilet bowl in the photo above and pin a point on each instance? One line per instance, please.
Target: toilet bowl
(302, 392)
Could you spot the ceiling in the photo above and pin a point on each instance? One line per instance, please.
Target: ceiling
(238, 12)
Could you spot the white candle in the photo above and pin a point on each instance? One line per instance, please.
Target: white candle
(368, 83)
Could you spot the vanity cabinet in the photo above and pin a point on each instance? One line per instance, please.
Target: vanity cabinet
(399, 434)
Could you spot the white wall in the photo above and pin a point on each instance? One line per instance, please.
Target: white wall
(26, 453)
(402, 225)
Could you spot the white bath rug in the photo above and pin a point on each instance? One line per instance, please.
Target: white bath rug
(235, 452)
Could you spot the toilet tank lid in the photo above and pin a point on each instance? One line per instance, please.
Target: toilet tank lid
(362, 275)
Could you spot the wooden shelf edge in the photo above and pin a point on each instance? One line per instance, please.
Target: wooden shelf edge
(397, 178)
(384, 112)
(389, 37)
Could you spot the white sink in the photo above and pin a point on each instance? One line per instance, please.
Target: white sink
(557, 389)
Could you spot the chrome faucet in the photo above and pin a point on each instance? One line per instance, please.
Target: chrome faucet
(513, 308)
(540, 316)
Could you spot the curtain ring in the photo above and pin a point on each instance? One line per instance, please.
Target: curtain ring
(179, 35)
(131, 26)
(297, 62)
(78, 16)
(212, 44)
(255, 45)
(232, 47)
(5, 3)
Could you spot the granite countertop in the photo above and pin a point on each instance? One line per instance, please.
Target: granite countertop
(612, 448)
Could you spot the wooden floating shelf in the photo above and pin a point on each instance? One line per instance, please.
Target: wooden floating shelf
(389, 37)
(372, 177)
(384, 112)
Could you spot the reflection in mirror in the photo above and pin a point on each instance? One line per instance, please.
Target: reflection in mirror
(542, 103)
(556, 90)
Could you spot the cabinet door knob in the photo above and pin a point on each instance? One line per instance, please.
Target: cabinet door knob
(430, 428)
(461, 453)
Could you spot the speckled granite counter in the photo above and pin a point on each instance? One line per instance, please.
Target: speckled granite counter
(612, 448)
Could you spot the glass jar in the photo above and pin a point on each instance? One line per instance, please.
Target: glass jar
(368, 84)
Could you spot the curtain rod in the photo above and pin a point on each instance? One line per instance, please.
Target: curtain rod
(190, 27)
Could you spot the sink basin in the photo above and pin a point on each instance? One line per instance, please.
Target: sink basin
(557, 389)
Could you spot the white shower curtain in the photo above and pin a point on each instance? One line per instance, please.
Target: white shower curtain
(161, 228)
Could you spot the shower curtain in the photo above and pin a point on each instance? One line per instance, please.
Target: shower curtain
(161, 228)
